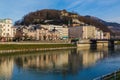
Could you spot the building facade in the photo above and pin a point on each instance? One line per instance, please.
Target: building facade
(7, 31)
(106, 35)
(99, 34)
(89, 32)
(39, 33)
(75, 32)
(63, 30)
(45, 34)
(82, 32)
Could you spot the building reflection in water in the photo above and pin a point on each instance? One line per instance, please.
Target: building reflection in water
(62, 61)
(46, 61)
(6, 68)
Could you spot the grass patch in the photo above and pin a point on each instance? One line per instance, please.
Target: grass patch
(32, 46)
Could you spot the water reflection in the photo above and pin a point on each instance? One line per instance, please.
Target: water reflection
(6, 68)
(68, 60)
(61, 61)
(46, 61)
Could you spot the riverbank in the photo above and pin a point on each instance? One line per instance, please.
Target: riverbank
(7, 48)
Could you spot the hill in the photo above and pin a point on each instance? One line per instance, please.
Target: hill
(59, 17)
(114, 27)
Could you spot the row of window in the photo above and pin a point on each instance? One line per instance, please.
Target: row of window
(9, 30)
(4, 25)
(8, 34)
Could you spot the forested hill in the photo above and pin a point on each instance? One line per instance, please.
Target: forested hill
(52, 16)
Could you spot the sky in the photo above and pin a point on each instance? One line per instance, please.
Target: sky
(108, 10)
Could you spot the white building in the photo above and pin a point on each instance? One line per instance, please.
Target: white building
(7, 31)
(63, 30)
(99, 34)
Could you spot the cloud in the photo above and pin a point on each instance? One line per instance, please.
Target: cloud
(86, 3)
(74, 4)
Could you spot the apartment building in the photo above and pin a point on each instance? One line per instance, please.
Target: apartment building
(45, 34)
(76, 32)
(7, 31)
(82, 32)
(89, 32)
(36, 32)
(99, 34)
(63, 30)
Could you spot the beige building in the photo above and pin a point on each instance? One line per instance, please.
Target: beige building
(7, 31)
(45, 34)
(106, 35)
(39, 33)
(89, 32)
(63, 30)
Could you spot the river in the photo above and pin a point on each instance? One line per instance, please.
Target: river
(69, 64)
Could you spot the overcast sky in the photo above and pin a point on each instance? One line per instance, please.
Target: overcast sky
(108, 10)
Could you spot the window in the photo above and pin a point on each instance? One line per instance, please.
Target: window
(7, 34)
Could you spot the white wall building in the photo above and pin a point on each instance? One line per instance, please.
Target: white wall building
(6, 28)
(99, 34)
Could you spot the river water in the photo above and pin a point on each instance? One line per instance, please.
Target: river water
(70, 64)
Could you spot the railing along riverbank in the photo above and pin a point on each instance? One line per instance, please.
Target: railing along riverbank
(111, 76)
